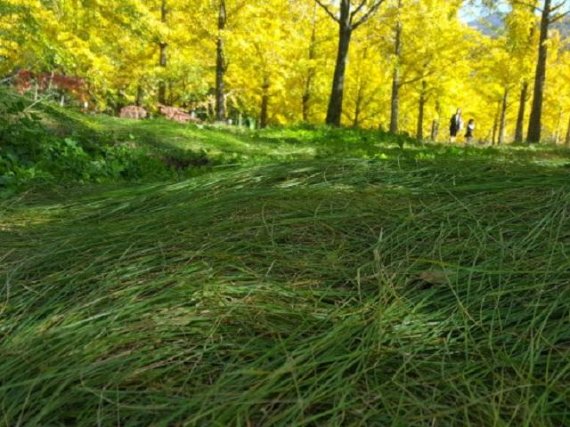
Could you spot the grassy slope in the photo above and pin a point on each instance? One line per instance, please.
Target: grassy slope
(351, 284)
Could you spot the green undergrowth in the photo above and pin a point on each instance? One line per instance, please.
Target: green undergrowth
(43, 145)
(400, 289)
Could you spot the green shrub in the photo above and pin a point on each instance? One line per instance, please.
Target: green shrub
(21, 131)
(32, 155)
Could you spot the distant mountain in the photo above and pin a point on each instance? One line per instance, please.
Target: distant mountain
(489, 25)
(563, 26)
(492, 24)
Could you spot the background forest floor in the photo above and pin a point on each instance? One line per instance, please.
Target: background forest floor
(302, 277)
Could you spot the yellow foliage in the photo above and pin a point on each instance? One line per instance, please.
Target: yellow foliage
(283, 52)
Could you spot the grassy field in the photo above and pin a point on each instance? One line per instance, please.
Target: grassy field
(306, 277)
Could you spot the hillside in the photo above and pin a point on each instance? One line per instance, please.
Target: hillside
(493, 23)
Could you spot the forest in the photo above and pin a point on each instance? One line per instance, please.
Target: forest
(270, 213)
(402, 66)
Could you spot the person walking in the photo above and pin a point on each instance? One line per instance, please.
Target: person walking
(455, 125)
(469, 131)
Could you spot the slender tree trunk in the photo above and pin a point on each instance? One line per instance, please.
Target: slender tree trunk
(435, 122)
(358, 105)
(568, 133)
(120, 102)
(334, 110)
(140, 95)
(221, 64)
(263, 116)
(162, 60)
(312, 70)
(162, 83)
(421, 109)
(520, 117)
(346, 24)
(558, 134)
(503, 117)
(496, 124)
(171, 96)
(535, 123)
(395, 100)
(434, 130)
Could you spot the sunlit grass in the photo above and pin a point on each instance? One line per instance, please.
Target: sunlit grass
(233, 145)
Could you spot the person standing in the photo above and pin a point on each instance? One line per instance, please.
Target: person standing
(469, 131)
(455, 125)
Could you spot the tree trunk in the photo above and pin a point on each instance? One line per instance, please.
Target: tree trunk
(503, 117)
(568, 133)
(140, 95)
(221, 64)
(334, 110)
(421, 109)
(358, 105)
(395, 100)
(171, 95)
(535, 123)
(558, 134)
(496, 124)
(520, 118)
(263, 116)
(434, 130)
(435, 123)
(360, 97)
(311, 72)
(120, 101)
(162, 83)
(162, 60)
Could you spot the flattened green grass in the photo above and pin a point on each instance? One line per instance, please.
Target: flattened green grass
(233, 146)
(318, 292)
